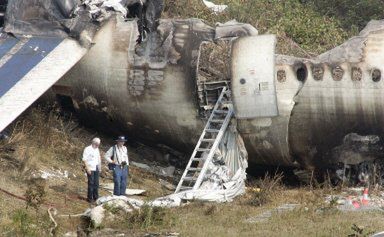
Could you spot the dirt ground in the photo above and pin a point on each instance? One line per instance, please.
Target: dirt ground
(41, 142)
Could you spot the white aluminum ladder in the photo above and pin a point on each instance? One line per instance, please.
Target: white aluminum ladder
(208, 143)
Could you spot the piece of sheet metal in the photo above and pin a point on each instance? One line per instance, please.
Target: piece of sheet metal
(253, 77)
(30, 70)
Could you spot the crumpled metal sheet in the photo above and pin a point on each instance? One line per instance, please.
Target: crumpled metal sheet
(225, 177)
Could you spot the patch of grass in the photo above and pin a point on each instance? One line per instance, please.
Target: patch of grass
(24, 224)
(150, 217)
(360, 231)
(35, 193)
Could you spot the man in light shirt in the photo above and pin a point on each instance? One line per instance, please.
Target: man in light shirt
(117, 158)
(92, 162)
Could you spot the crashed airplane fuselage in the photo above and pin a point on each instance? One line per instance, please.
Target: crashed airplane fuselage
(330, 107)
(153, 92)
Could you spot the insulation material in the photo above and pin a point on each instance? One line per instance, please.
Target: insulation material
(225, 177)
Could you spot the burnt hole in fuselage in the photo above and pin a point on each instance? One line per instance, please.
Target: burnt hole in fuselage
(376, 75)
(301, 71)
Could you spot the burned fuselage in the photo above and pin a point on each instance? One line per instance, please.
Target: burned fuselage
(160, 90)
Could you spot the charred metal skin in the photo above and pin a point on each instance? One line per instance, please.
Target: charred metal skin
(147, 90)
(344, 98)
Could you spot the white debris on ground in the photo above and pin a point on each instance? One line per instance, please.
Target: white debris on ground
(214, 7)
(265, 216)
(98, 213)
(52, 174)
(159, 170)
(134, 203)
(128, 192)
(225, 177)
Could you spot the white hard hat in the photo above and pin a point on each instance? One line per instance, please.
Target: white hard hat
(96, 140)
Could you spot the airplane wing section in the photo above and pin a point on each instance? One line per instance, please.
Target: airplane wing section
(29, 67)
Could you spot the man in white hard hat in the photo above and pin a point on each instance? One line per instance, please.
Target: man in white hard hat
(92, 162)
(117, 158)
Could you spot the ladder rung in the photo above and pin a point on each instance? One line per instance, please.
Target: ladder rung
(197, 159)
(203, 149)
(185, 188)
(208, 140)
(217, 123)
(217, 120)
(220, 111)
(190, 178)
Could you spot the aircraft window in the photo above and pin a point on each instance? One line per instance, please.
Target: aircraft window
(318, 72)
(281, 76)
(376, 75)
(337, 73)
(242, 81)
(301, 73)
(357, 74)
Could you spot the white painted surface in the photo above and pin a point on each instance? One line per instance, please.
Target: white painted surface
(39, 80)
(253, 77)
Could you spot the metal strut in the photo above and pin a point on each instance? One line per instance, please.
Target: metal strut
(209, 141)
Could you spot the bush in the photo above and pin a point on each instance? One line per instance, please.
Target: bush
(264, 189)
(35, 193)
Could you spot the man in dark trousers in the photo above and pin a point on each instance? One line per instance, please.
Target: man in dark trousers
(117, 158)
(92, 163)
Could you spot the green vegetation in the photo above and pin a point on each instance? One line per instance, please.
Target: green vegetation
(352, 14)
(313, 25)
(23, 224)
